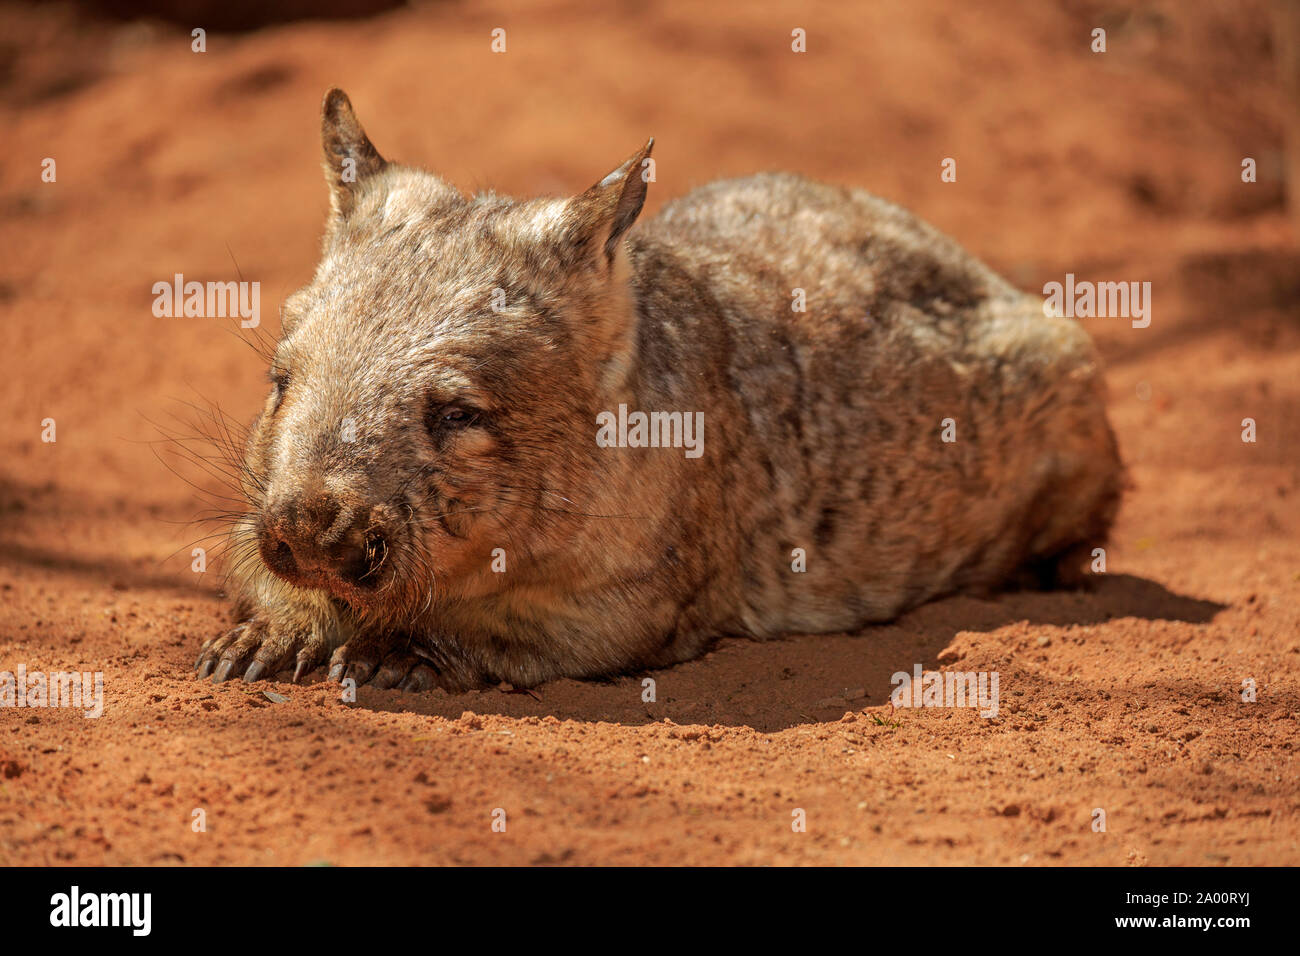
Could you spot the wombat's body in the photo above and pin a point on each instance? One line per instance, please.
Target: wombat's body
(473, 530)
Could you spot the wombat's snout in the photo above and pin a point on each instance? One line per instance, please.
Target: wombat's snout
(313, 541)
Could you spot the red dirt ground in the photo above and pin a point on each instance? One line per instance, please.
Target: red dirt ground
(1116, 166)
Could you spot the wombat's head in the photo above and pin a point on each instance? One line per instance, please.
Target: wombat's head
(434, 393)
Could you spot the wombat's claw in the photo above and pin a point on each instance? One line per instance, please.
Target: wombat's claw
(383, 667)
(257, 650)
(421, 677)
(255, 671)
(223, 671)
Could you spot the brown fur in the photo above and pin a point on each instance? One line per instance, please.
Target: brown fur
(821, 429)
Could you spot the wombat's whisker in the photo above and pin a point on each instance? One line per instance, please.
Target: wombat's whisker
(264, 348)
(206, 492)
(226, 466)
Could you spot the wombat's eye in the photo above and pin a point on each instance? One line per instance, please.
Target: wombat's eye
(450, 417)
(279, 384)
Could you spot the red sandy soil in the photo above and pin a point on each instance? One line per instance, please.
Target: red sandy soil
(1116, 166)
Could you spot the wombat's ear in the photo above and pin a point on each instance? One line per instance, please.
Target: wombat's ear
(608, 209)
(350, 157)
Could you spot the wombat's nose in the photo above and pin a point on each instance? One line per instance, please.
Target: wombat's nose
(304, 539)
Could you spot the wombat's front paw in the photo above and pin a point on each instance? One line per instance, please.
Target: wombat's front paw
(385, 660)
(261, 648)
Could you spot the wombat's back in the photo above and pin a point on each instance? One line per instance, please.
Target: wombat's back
(853, 339)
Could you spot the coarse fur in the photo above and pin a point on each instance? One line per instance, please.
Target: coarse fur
(428, 501)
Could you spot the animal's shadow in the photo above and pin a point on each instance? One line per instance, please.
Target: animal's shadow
(773, 685)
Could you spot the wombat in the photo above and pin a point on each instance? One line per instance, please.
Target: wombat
(510, 441)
